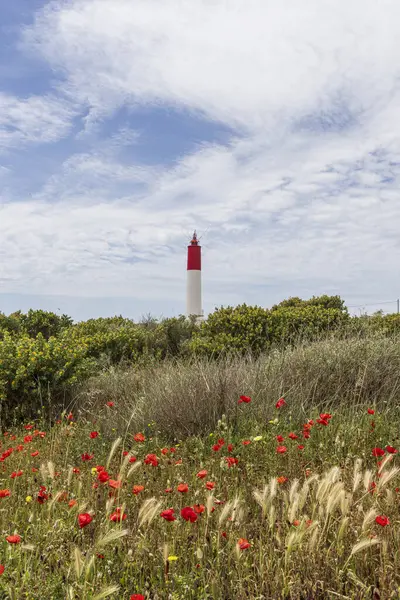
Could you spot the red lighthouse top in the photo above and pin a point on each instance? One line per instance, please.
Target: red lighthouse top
(194, 254)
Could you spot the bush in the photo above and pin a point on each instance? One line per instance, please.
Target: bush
(247, 329)
(35, 370)
(322, 301)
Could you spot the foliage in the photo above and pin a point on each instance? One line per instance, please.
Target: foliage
(48, 324)
(34, 369)
(324, 301)
(43, 354)
(253, 329)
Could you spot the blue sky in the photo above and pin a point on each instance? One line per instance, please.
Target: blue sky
(270, 127)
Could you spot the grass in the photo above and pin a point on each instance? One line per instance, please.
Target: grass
(303, 523)
(297, 524)
(189, 397)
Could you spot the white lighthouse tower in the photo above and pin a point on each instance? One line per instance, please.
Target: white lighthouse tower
(193, 289)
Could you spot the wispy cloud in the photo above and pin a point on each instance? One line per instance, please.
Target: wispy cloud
(35, 119)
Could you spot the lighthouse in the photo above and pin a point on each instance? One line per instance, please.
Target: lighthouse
(193, 289)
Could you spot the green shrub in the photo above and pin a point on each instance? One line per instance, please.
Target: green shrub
(34, 322)
(35, 369)
(247, 329)
(323, 301)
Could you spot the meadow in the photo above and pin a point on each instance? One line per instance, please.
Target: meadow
(267, 478)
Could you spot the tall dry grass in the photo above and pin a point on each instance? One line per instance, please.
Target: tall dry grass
(189, 396)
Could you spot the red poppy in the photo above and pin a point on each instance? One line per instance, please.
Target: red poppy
(84, 519)
(110, 404)
(139, 437)
(183, 488)
(243, 544)
(5, 493)
(13, 539)
(132, 459)
(103, 477)
(115, 483)
(19, 448)
(293, 436)
(231, 460)
(224, 534)
(28, 439)
(168, 490)
(178, 462)
(371, 411)
(137, 597)
(85, 457)
(245, 399)
(281, 449)
(42, 495)
(210, 485)
(76, 470)
(16, 474)
(168, 514)
(216, 447)
(151, 459)
(323, 422)
(280, 438)
(172, 450)
(199, 508)
(382, 520)
(164, 451)
(201, 474)
(325, 416)
(118, 516)
(137, 489)
(246, 442)
(300, 447)
(70, 417)
(72, 503)
(230, 447)
(28, 427)
(93, 434)
(34, 454)
(2, 569)
(372, 487)
(296, 523)
(377, 452)
(391, 450)
(188, 514)
(281, 402)
(281, 479)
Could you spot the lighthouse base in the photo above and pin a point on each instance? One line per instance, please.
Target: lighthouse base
(193, 294)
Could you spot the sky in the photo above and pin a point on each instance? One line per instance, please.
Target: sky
(269, 127)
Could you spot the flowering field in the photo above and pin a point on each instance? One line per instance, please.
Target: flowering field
(293, 508)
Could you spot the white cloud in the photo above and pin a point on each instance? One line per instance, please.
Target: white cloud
(303, 200)
(250, 63)
(33, 119)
